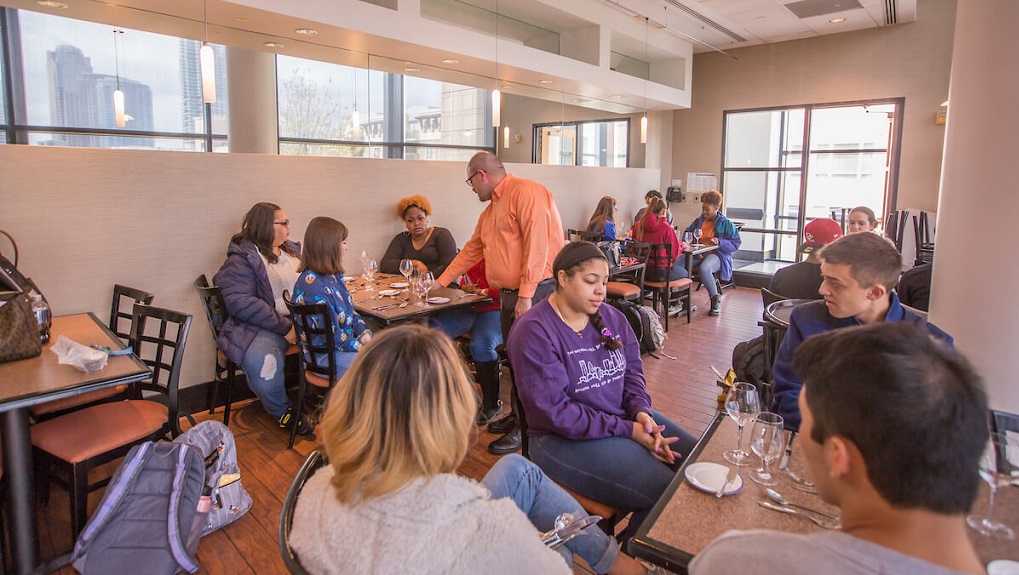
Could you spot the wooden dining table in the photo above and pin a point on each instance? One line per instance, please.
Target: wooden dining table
(389, 309)
(39, 379)
(686, 519)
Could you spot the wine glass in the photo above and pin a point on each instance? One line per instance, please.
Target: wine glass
(996, 469)
(427, 281)
(415, 283)
(368, 269)
(688, 238)
(767, 440)
(405, 266)
(697, 235)
(742, 404)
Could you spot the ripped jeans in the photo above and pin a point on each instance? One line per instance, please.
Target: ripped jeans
(263, 364)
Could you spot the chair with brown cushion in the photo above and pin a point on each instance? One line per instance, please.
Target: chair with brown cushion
(120, 325)
(74, 443)
(226, 371)
(664, 293)
(314, 330)
(632, 285)
(315, 461)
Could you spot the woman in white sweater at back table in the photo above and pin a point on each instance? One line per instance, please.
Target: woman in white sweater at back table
(389, 500)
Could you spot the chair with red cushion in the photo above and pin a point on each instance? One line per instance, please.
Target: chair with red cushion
(75, 443)
(632, 285)
(665, 293)
(314, 329)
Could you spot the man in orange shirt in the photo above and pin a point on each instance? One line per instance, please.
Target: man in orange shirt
(518, 235)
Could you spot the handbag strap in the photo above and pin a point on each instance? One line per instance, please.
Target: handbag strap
(14, 244)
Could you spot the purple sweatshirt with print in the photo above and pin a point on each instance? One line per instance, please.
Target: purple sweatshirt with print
(571, 385)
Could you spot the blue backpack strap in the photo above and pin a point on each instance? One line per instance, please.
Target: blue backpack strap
(131, 467)
(178, 547)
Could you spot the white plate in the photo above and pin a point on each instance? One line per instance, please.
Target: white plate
(349, 279)
(1003, 567)
(708, 476)
(438, 300)
(389, 292)
(399, 285)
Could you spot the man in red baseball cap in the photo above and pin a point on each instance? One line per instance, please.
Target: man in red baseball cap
(802, 280)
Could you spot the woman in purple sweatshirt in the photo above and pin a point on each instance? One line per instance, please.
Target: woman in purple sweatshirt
(578, 372)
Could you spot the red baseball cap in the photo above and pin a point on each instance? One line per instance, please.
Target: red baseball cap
(819, 233)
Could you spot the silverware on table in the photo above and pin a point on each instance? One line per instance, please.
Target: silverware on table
(784, 463)
(798, 479)
(777, 497)
(729, 479)
(824, 524)
(805, 488)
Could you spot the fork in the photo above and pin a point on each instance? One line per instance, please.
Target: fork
(819, 522)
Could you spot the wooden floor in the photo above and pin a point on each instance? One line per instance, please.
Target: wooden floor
(683, 389)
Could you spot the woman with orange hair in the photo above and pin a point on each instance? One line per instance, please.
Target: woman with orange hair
(430, 248)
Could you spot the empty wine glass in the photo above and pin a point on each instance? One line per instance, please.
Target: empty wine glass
(415, 283)
(688, 238)
(697, 235)
(427, 281)
(742, 404)
(368, 270)
(767, 440)
(996, 469)
(405, 267)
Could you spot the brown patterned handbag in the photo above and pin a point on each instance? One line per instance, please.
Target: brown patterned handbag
(19, 332)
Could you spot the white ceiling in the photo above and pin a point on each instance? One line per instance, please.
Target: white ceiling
(668, 31)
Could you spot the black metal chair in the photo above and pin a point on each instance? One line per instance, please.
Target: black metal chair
(662, 292)
(772, 333)
(226, 371)
(584, 236)
(316, 345)
(895, 227)
(81, 440)
(313, 463)
(922, 237)
(631, 286)
(120, 292)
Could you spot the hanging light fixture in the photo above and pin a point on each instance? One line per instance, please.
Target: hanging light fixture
(119, 117)
(355, 117)
(496, 95)
(643, 119)
(208, 61)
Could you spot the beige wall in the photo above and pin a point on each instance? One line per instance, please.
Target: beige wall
(86, 219)
(908, 60)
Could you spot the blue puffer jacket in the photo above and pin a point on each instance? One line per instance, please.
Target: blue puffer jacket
(248, 297)
(728, 242)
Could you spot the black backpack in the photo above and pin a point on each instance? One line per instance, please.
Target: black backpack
(748, 360)
(644, 321)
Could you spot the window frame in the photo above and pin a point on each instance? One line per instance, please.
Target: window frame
(536, 139)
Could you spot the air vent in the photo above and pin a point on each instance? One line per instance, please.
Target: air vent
(891, 11)
(808, 8)
(708, 21)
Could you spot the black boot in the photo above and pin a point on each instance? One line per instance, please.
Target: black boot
(716, 305)
(507, 443)
(488, 378)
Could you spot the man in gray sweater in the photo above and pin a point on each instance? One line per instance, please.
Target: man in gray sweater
(894, 423)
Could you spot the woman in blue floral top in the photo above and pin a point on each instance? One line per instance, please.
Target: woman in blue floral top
(321, 280)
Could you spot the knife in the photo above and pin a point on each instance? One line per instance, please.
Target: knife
(788, 451)
(729, 479)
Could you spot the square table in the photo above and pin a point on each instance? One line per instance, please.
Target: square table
(39, 379)
(691, 250)
(365, 304)
(685, 519)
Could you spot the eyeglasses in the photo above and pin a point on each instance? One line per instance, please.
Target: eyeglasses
(469, 181)
(284, 223)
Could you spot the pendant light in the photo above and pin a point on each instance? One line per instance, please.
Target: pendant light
(208, 62)
(643, 119)
(496, 95)
(355, 117)
(119, 117)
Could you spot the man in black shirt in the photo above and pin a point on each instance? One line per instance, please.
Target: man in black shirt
(802, 280)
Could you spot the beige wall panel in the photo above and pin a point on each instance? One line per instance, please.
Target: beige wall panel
(86, 219)
(908, 60)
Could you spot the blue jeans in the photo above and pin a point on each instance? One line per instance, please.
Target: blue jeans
(676, 272)
(344, 359)
(542, 500)
(263, 364)
(486, 334)
(616, 471)
(708, 266)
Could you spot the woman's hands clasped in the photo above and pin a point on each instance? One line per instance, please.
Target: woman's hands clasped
(649, 434)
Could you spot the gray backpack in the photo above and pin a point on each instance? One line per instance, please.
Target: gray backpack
(222, 476)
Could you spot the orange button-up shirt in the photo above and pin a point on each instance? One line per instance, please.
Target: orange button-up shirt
(519, 235)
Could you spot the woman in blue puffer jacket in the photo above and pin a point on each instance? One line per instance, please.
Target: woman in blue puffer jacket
(716, 229)
(261, 264)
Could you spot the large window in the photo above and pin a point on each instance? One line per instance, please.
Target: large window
(69, 69)
(851, 154)
(335, 110)
(595, 143)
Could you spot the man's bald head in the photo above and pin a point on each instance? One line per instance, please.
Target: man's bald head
(488, 162)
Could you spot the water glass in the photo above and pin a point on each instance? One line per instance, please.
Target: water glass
(767, 440)
(688, 238)
(415, 284)
(427, 281)
(998, 463)
(405, 266)
(697, 235)
(742, 404)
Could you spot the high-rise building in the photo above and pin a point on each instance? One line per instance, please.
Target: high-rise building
(192, 110)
